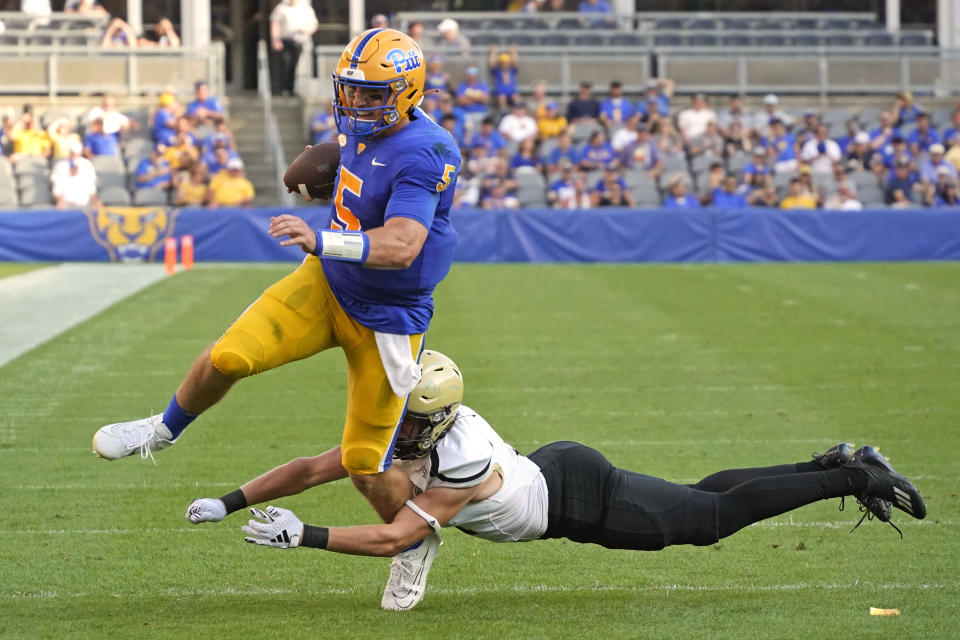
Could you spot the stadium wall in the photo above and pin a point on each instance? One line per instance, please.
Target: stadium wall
(609, 235)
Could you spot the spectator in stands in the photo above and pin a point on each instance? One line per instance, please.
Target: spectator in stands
(498, 197)
(562, 193)
(153, 172)
(932, 166)
(85, 7)
(709, 142)
(379, 21)
(810, 188)
(783, 148)
(99, 143)
(667, 138)
(488, 137)
(184, 153)
(714, 180)
(449, 122)
(39, 8)
(953, 156)
(951, 135)
(905, 108)
(882, 136)
(763, 194)
(165, 118)
(896, 150)
(481, 162)
(729, 194)
(859, 149)
(944, 194)
(539, 99)
(821, 152)
(192, 192)
(114, 122)
(797, 198)
(551, 124)
(635, 148)
(611, 190)
(437, 78)
(292, 24)
(205, 108)
(74, 181)
(503, 70)
(878, 167)
(677, 196)
(415, 31)
(230, 188)
(584, 106)
(842, 178)
(26, 137)
(594, 6)
(62, 137)
(597, 153)
(518, 125)
(770, 112)
(852, 128)
(843, 200)
(733, 113)
(757, 165)
(221, 137)
(616, 109)
(923, 136)
(118, 35)
(473, 95)
(218, 162)
(527, 157)
(901, 184)
(656, 98)
(555, 6)
(323, 128)
(451, 38)
(162, 36)
(446, 108)
(692, 122)
(564, 153)
(736, 140)
(808, 130)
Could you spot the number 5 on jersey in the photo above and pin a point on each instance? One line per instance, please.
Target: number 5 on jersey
(447, 175)
(344, 218)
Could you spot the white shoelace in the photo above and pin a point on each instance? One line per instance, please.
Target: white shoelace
(141, 438)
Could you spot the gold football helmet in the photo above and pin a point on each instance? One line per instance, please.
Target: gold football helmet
(379, 60)
(431, 407)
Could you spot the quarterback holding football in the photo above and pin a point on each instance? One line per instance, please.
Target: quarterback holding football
(461, 473)
(367, 282)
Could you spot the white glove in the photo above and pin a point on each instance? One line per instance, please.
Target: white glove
(279, 528)
(206, 510)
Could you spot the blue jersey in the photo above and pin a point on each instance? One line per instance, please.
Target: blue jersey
(411, 174)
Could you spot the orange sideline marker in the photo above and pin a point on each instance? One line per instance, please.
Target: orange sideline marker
(186, 252)
(170, 255)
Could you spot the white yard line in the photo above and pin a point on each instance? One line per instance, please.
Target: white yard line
(515, 588)
(39, 305)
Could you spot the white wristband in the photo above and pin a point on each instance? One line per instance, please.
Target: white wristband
(423, 514)
(351, 246)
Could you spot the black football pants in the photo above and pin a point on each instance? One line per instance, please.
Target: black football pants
(590, 500)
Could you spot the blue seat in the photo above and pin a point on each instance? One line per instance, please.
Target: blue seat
(702, 24)
(914, 40)
(590, 40)
(840, 40)
(702, 40)
(806, 40)
(667, 40)
(736, 23)
(570, 23)
(771, 40)
(670, 23)
(807, 24)
(736, 41)
(555, 40)
(502, 24)
(485, 39)
(838, 24)
(628, 40)
(522, 39)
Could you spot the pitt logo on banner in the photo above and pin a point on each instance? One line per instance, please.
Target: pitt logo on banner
(403, 61)
(131, 234)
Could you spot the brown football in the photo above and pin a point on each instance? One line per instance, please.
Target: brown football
(314, 171)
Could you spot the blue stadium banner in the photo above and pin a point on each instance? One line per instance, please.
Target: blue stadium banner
(136, 234)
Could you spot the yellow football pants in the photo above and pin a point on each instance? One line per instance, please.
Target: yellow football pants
(298, 317)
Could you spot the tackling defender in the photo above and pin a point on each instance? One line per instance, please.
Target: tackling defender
(464, 475)
(368, 282)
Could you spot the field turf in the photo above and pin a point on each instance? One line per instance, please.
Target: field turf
(676, 371)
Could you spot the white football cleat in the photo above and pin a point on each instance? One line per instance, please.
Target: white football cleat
(408, 575)
(122, 439)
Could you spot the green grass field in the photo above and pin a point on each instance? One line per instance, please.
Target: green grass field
(676, 371)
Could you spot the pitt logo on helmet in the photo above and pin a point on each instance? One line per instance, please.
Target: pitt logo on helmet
(403, 61)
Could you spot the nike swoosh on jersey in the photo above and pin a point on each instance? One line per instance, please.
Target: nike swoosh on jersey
(377, 164)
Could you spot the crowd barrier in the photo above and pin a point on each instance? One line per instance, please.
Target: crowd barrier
(610, 235)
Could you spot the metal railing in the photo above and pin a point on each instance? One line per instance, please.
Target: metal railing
(812, 70)
(57, 70)
(273, 140)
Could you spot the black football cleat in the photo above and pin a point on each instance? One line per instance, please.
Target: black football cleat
(835, 457)
(885, 483)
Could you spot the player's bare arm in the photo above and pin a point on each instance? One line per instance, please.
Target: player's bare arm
(439, 504)
(395, 245)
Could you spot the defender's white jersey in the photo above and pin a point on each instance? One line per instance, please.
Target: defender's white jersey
(466, 456)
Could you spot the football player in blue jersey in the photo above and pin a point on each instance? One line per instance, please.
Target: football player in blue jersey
(367, 282)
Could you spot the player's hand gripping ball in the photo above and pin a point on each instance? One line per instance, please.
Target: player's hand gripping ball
(313, 172)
